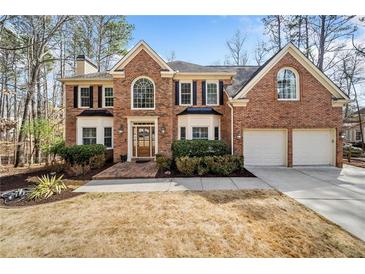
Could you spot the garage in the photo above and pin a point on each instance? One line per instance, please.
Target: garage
(313, 146)
(265, 147)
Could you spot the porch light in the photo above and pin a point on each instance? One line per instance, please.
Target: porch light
(239, 136)
(163, 130)
(120, 130)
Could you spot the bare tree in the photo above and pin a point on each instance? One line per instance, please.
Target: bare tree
(260, 52)
(274, 27)
(171, 56)
(236, 48)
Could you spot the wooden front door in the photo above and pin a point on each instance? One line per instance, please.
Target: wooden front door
(143, 141)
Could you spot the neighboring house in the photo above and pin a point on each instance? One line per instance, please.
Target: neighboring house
(285, 112)
(351, 126)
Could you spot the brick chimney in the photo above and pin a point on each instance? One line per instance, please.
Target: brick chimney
(84, 65)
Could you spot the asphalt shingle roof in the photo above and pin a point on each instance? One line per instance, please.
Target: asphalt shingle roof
(96, 112)
(199, 110)
(91, 76)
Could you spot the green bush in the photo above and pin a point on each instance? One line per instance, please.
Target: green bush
(218, 165)
(81, 154)
(163, 162)
(55, 149)
(187, 165)
(198, 148)
(47, 186)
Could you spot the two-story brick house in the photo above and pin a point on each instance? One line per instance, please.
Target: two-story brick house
(285, 112)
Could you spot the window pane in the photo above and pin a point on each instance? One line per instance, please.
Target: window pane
(216, 133)
(182, 133)
(287, 84)
(143, 94)
(108, 136)
(85, 97)
(89, 136)
(108, 97)
(200, 133)
(212, 94)
(185, 93)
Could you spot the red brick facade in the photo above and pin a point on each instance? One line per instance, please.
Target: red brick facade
(313, 110)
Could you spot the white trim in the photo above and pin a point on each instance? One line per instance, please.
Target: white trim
(201, 120)
(297, 85)
(206, 92)
(94, 122)
(154, 93)
(290, 48)
(79, 96)
(130, 120)
(141, 45)
(239, 102)
(103, 96)
(231, 107)
(191, 92)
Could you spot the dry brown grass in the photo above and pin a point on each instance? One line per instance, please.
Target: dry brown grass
(174, 224)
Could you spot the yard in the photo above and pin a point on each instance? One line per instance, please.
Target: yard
(255, 223)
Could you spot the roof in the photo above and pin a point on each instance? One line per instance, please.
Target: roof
(199, 110)
(96, 112)
(90, 76)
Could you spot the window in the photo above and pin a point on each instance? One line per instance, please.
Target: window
(182, 133)
(143, 94)
(185, 94)
(108, 137)
(88, 135)
(287, 84)
(200, 133)
(212, 93)
(108, 97)
(358, 136)
(84, 97)
(216, 133)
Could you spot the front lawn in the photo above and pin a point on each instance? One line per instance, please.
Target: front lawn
(254, 223)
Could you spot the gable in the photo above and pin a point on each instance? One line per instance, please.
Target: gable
(300, 58)
(141, 46)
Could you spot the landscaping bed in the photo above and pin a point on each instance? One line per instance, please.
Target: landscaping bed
(247, 223)
(175, 173)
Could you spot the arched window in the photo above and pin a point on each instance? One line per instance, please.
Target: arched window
(143, 93)
(288, 84)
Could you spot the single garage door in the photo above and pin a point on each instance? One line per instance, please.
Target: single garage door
(264, 147)
(313, 147)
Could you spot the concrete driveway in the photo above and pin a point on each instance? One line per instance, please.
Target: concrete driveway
(337, 194)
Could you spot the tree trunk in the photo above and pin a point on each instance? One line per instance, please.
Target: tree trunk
(359, 116)
(322, 40)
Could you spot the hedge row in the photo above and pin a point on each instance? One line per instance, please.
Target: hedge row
(199, 148)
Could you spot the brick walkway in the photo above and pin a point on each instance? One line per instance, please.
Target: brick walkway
(128, 170)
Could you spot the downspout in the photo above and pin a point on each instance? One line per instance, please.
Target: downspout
(230, 106)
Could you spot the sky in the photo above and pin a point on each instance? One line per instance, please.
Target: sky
(196, 39)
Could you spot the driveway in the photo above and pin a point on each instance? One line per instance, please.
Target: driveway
(337, 194)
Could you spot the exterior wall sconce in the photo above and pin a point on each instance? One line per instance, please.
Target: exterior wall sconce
(239, 136)
(120, 130)
(163, 130)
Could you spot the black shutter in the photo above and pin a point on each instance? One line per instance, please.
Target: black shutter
(203, 93)
(100, 96)
(194, 93)
(177, 94)
(221, 94)
(76, 101)
(91, 97)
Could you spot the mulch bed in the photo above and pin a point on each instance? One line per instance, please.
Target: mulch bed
(175, 173)
(354, 162)
(20, 181)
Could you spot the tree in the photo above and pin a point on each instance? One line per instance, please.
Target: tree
(260, 52)
(360, 48)
(274, 27)
(171, 56)
(236, 48)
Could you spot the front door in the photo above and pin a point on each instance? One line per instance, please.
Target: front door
(144, 141)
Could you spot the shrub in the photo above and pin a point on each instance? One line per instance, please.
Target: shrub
(198, 148)
(81, 154)
(221, 165)
(56, 148)
(187, 165)
(163, 162)
(355, 151)
(47, 186)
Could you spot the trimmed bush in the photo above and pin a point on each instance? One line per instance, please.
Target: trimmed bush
(56, 148)
(82, 154)
(163, 162)
(218, 165)
(198, 148)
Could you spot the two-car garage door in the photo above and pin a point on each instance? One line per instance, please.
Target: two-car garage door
(269, 147)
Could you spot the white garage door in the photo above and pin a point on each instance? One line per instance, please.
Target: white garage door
(264, 147)
(313, 147)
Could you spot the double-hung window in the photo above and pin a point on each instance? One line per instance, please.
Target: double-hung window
(108, 137)
(212, 93)
(186, 93)
(84, 97)
(88, 135)
(182, 133)
(108, 97)
(200, 133)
